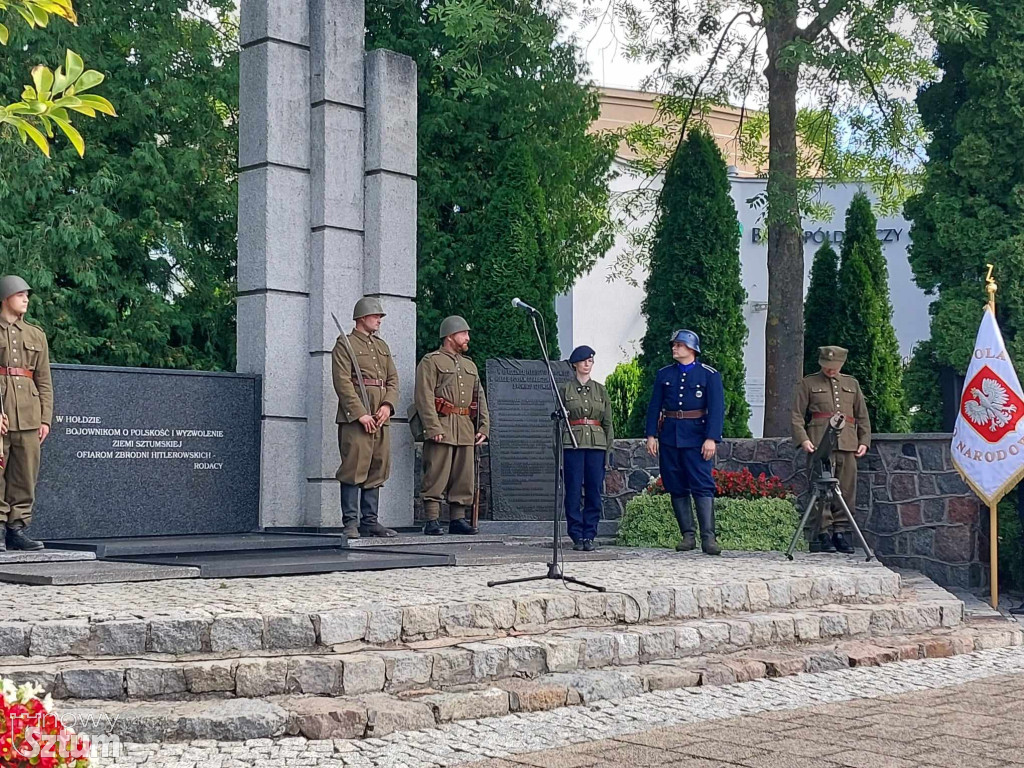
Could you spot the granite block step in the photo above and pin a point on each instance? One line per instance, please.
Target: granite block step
(385, 625)
(365, 669)
(378, 714)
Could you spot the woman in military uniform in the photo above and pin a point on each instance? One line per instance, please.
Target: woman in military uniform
(590, 419)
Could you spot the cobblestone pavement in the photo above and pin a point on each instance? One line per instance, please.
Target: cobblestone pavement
(413, 586)
(962, 711)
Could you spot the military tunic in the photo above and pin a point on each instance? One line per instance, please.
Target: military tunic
(590, 419)
(365, 457)
(817, 398)
(28, 403)
(687, 407)
(447, 386)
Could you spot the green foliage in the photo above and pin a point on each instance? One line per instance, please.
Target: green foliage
(694, 278)
(131, 250)
(498, 90)
(865, 320)
(511, 255)
(970, 211)
(625, 391)
(46, 103)
(821, 306)
(924, 397)
(758, 525)
(1011, 544)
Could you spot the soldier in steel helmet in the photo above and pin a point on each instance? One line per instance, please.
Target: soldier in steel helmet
(27, 391)
(818, 397)
(590, 419)
(451, 404)
(684, 425)
(366, 381)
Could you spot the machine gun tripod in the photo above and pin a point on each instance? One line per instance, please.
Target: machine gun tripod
(825, 485)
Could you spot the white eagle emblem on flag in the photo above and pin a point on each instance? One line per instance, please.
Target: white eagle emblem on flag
(990, 405)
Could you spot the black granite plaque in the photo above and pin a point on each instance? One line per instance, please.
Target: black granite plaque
(522, 438)
(146, 452)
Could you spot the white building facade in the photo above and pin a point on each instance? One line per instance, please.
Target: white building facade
(604, 311)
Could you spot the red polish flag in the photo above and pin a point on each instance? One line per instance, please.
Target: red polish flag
(988, 439)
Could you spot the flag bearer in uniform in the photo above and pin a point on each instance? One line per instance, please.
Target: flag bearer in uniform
(450, 402)
(590, 419)
(361, 365)
(684, 426)
(818, 397)
(27, 392)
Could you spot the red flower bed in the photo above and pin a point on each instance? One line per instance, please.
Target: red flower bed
(743, 485)
(33, 737)
(735, 485)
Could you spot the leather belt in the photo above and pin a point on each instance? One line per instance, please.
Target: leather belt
(17, 372)
(446, 408)
(820, 415)
(370, 382)
(699, 414)
(585, 423)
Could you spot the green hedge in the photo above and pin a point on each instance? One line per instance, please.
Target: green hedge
(1011, 551)
(743, 524)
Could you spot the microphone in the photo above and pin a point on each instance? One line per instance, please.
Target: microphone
(520, 304)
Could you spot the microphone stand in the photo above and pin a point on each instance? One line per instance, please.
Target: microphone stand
(559, 419)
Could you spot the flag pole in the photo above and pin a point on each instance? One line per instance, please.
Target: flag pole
(993, 507)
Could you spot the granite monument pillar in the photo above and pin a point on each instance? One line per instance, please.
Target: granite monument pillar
(327, 213)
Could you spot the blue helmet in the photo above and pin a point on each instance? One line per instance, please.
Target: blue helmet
(689, 338)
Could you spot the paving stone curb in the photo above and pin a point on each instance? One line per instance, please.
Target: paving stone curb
(387, 626)
(376, 715)
(365, 670)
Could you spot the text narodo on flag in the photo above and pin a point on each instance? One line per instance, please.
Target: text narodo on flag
(987, 447)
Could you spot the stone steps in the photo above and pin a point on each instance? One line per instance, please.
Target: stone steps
(378, 714)
(448, 662)
(388, 625)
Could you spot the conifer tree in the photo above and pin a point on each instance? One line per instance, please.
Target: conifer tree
(969, 213)
(510, 251)
(865, 327)
(821, 305)
(694, 278)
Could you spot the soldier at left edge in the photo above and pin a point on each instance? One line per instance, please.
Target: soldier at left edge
(366, 381)
(27, 403)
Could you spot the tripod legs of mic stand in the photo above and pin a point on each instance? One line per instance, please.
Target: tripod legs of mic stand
(555, 566)
(831, 490)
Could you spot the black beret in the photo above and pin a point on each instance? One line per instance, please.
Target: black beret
(580, 354)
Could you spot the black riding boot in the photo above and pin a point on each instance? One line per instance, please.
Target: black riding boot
(706, 520)
(684, 518)
(3, 537)
(350, 510)
(18, 539)
(370, 524)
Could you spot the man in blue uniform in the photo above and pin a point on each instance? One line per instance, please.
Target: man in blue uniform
(684, 426)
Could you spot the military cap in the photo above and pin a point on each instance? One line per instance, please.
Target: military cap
(12, 284)
(453, 324)
(831, 357)
(689, 338)
(580, 354)
(368, 305)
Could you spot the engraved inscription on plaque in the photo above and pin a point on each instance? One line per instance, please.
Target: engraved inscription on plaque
(522, 438)
(143, 452)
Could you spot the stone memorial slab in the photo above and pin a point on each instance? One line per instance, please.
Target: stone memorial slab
(11, 556)
(140, 452)
(90, 572)
(522, 438)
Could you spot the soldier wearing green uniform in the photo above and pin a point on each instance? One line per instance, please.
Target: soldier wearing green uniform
(28, 407)
(818, 397)
(451, 404)
(366, 381)
(590, 419)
